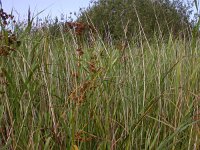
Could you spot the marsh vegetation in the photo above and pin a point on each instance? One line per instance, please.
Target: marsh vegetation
(59, 90)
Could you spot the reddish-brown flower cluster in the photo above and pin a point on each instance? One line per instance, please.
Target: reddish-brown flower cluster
(79, 27)
(78, 95)
(79, 52)
(8, 40)
(5, 17)
(8, 44)
(92, 67)
(83, 136)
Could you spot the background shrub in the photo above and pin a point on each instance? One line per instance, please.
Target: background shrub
(125, 18)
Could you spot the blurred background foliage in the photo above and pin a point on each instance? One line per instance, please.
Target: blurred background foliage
(122, 19)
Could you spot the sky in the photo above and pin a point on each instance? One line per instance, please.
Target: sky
(51, 7)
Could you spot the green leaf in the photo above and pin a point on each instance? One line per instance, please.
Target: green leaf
(181, 128)
(46, 147)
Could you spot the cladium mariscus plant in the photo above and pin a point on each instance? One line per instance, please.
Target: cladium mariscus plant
(60, 92)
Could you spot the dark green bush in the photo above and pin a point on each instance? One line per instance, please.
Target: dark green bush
(126, 18)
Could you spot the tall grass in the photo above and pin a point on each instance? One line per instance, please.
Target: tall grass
(144, 97)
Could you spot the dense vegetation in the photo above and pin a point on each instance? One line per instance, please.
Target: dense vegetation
(120, 19)
(56, 94)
